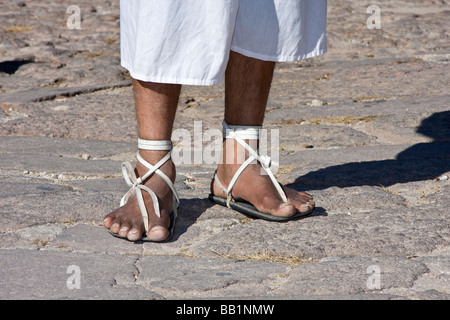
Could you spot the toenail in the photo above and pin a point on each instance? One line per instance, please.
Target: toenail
(115, 225)
(304, 207)
(124, 229)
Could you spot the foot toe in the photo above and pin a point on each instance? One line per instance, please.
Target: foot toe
(115, 227)
(285, 210)
(158, 233)
(134, 234)
(124, 229)
(107, 221)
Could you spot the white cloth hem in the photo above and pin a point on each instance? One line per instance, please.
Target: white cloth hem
(171, 80)
(211, 82)
(255, 55)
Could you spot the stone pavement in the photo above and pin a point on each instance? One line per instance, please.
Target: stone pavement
(365, 129)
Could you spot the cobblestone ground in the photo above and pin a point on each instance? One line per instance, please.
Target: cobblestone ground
(365, 129)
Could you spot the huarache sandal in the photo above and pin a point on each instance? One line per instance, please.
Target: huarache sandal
(239, 134)
(136, 185)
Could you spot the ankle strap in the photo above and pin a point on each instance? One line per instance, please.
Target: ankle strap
(154, 145)
(243, 132)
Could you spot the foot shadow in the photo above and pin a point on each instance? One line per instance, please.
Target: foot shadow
(188, 213)
(422, 161)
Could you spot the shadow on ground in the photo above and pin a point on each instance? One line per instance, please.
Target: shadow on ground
(422, 161)
(10, 67)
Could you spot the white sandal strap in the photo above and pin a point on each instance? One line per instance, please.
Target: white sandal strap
(154, 144)
(221, 186)
(136, 184)
(244, 132)
(240, 133)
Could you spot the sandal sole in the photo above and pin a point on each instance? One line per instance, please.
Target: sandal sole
(249, 210)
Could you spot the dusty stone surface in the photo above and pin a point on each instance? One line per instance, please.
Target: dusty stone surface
(365, 129)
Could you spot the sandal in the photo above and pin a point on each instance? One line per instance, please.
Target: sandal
(136, 185)
(240, 133)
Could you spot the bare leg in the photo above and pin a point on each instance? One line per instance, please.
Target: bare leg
(156, 106)
(247, 86)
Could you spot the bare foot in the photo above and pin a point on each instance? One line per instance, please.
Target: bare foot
(258, 189)
(127, 220)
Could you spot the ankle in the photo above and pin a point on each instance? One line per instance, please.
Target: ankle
(235, 154)
(153, 157)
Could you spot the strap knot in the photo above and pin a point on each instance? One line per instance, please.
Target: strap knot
(265, 161)
(136, 183)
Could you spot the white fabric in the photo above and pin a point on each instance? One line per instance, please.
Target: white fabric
(188, 41)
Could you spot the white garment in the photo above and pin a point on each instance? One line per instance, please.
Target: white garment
(188, 41)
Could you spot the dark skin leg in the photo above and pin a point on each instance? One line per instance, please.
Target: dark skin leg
(247, 86)
(156, 106)
(247, 83)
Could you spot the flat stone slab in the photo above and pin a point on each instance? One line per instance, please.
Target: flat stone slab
(365, 129)
(48, 93)
(75, 275)
(379, 232)
(62, 275)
